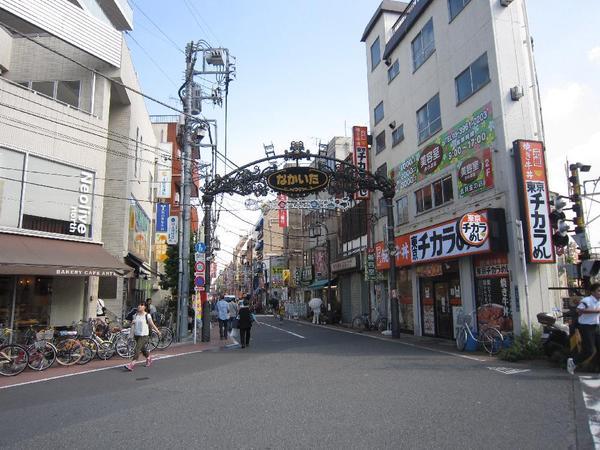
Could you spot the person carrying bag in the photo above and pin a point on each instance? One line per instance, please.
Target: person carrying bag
(140, 328)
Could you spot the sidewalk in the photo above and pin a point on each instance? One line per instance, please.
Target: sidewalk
(57, 371)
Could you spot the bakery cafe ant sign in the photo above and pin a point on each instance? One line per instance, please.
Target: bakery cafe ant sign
(298, 180)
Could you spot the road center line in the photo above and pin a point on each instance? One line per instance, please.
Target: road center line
(281, 329)
(457, 355)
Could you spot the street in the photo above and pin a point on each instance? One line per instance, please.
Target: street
(301, 386)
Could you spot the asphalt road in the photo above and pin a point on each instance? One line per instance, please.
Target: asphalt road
(316, 388)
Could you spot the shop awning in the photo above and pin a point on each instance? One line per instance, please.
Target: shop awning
(29, 255)
(320, 284)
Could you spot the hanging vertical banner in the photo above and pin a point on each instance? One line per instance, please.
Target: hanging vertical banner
(173, 230)
(164, 183)
(162, 216)
(532, 181)
(282, 213)
(360, 156)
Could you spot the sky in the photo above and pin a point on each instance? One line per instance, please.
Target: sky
(302, 75)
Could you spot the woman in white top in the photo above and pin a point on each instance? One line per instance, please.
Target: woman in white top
(140, 327)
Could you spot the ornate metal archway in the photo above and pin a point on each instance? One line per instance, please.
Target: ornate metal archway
(342, 178)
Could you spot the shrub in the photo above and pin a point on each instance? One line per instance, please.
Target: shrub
(524, 346)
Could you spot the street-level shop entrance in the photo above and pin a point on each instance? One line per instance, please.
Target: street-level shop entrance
(440, 298)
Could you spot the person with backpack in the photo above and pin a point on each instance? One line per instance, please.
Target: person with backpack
(140, 329)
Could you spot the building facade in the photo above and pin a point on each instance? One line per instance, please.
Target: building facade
(77, 155)
(452, 85)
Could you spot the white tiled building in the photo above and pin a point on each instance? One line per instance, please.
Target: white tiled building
(75, 149)
(452, 84)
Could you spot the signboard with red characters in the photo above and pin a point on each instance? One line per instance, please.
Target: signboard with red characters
(361, 156)
(534, 200)
(474, 229)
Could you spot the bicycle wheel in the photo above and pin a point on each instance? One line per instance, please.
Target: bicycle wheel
(41, 355)
(381, 324)
(124, 346)
(461, 338)
(358, 323)
(492, 340)
(90, 350)
(68, 352)
(166, 338)
(153, 341)
(105, 350)
(13, 360)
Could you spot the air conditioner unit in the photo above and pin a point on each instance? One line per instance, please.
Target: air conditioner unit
(516, 93)
(505, 2)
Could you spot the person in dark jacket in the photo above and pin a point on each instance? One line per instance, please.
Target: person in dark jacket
(246, 318)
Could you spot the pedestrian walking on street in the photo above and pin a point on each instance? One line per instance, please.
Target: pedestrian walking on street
(140, 327)
(588, 320)
(246, 318)
(151, 309)
(223, 315)
(315, 304)
(232, 308)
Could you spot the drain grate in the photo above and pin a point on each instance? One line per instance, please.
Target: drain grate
(142, 378)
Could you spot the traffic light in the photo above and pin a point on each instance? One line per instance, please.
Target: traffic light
(560, 238)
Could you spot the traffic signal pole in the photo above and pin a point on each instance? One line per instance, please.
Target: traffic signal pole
(580, 228)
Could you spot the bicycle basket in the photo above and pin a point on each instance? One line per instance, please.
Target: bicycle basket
(44, 335)
(84, 329)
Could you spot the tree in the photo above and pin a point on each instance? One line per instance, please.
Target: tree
(169, 279)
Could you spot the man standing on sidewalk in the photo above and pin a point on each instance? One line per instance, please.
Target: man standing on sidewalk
(223, 311)
(588, 311)
(233, 312)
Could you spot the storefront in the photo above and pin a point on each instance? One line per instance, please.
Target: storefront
(452, 267)
(48, 282)
(353, 290)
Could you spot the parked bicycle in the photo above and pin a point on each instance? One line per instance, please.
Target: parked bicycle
(489, 337)
(364, 323)
(13, 359)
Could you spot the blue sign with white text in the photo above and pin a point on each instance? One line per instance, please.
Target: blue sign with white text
(200, 247)
(162, 216)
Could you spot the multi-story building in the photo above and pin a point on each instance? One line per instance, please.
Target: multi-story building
(452, 84)
(77, 156)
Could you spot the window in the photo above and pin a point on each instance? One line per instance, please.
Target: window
(472, 78)
(382, 170)
(68, 92)
(423, 45)
(378, 113)
(375, 54)
(398, 135)
(43, 87)
(393, 71)
(433, 195)
(442, 191)
(402, 210)
(455, 7)
(423, 198)
(382, 207)
(380, 142)
(429, 120)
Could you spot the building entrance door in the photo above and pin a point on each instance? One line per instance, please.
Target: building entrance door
(443, 310)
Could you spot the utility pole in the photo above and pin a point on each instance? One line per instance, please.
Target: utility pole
(580, 228)
(185, 203)
(389, 198)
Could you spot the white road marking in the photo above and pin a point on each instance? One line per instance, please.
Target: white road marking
(508, 370)
(281, 329)
(592, 403)
(408, 344)
(100, 369)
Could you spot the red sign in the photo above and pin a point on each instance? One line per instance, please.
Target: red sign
(491, 266)
(360, 157)
(534, 200)
(200, 266)
(282, 214)
(474, 229)
(382, 257)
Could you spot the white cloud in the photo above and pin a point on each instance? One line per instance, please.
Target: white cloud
(594, 55)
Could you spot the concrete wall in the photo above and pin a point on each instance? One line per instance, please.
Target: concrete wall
(5, 50)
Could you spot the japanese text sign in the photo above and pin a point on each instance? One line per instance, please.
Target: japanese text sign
(298, 180)
(360, 157)
(534, 200)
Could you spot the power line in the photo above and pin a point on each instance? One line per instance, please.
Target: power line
(157, 27)
(158, 66)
